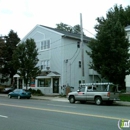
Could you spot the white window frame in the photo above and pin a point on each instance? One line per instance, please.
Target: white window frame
(45, 64)
(45, 44)
(129, 38)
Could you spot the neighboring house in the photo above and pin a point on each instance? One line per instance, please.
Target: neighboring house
(127, 29)
(60, 60)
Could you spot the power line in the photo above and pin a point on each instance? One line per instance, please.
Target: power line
(74, 54)
(89, 32)
(75, 58)
(79, 31)
(55, 47)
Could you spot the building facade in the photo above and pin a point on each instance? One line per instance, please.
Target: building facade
(127, 80)
(60, 60)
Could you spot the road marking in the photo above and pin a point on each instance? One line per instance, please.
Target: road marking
(65, 112)
(3, 116)
(60, 105)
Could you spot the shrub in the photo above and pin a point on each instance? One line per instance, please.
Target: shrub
(36, 92)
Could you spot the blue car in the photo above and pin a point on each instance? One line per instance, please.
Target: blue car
(19, 93)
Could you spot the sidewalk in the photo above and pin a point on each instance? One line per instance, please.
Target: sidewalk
(64, 99)
(51, 98)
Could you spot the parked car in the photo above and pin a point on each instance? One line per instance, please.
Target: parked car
(19, 93)
(98, 92)
(7, 90)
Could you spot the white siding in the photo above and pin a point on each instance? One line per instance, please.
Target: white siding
(127, 80)
(64, 56)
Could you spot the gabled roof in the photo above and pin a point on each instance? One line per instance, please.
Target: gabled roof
(49, 73)
(60, 32)
(68, 34)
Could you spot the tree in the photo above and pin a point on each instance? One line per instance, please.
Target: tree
(64, 27)
(10, 44)
(25, 60)
(77, 29)
(109, 51)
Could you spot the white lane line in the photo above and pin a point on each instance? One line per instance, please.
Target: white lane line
(60, 105)
(3, 116)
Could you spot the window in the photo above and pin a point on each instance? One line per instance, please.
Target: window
(129, 38)
(82, 89)
(44, 82)
(79, 82)
(45, 64)
(45, 44)
(83, 81)
(79, 64)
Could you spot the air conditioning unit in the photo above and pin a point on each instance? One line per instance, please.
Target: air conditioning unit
(66, 61)
(47, 68)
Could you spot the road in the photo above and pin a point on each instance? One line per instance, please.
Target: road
(33, 114)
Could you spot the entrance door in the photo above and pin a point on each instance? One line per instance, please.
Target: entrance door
(55, 85)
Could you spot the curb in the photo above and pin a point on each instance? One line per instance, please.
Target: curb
(122, 103)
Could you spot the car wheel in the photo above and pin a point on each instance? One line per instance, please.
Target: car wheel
(19, 97)
(98, 100)
(9, 96)
(72, 99)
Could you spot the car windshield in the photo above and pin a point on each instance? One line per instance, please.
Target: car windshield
(82, 89)
(16, 90)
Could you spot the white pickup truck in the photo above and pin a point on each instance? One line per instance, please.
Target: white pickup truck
(97, 92)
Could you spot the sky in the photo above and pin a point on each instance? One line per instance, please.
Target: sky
(23, 15)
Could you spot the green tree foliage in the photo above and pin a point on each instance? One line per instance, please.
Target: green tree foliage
(109, 51)
(65, 27)
(25, 60)
(77, 29)
(10, 43)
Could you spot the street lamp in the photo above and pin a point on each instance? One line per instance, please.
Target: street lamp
(17, 76)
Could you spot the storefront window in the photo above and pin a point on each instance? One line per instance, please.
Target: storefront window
(44, 82)
(32, 83)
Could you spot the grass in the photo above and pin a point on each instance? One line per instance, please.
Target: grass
(124, 97)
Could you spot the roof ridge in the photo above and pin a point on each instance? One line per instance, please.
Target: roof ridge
(66, 33)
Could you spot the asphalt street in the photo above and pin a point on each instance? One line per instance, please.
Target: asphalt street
(34, 114)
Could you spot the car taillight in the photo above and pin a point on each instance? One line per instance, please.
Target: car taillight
(108, 94)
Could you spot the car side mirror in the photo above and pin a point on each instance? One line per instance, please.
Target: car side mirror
(78, 91)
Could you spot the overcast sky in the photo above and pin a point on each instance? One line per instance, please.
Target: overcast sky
(23, 15)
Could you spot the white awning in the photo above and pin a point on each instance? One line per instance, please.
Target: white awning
(54, 74)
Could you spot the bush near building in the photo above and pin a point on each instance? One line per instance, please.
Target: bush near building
(36, 92)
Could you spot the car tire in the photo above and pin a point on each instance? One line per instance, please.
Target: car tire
(98, 100)
(19, 97)
(9, 96)
(72, 99)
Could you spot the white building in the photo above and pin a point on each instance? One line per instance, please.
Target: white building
(60, 60)
(127, 29)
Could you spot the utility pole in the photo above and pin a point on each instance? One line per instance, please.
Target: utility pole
(82, 46)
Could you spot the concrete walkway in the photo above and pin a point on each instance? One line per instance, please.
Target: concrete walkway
(64, 99)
